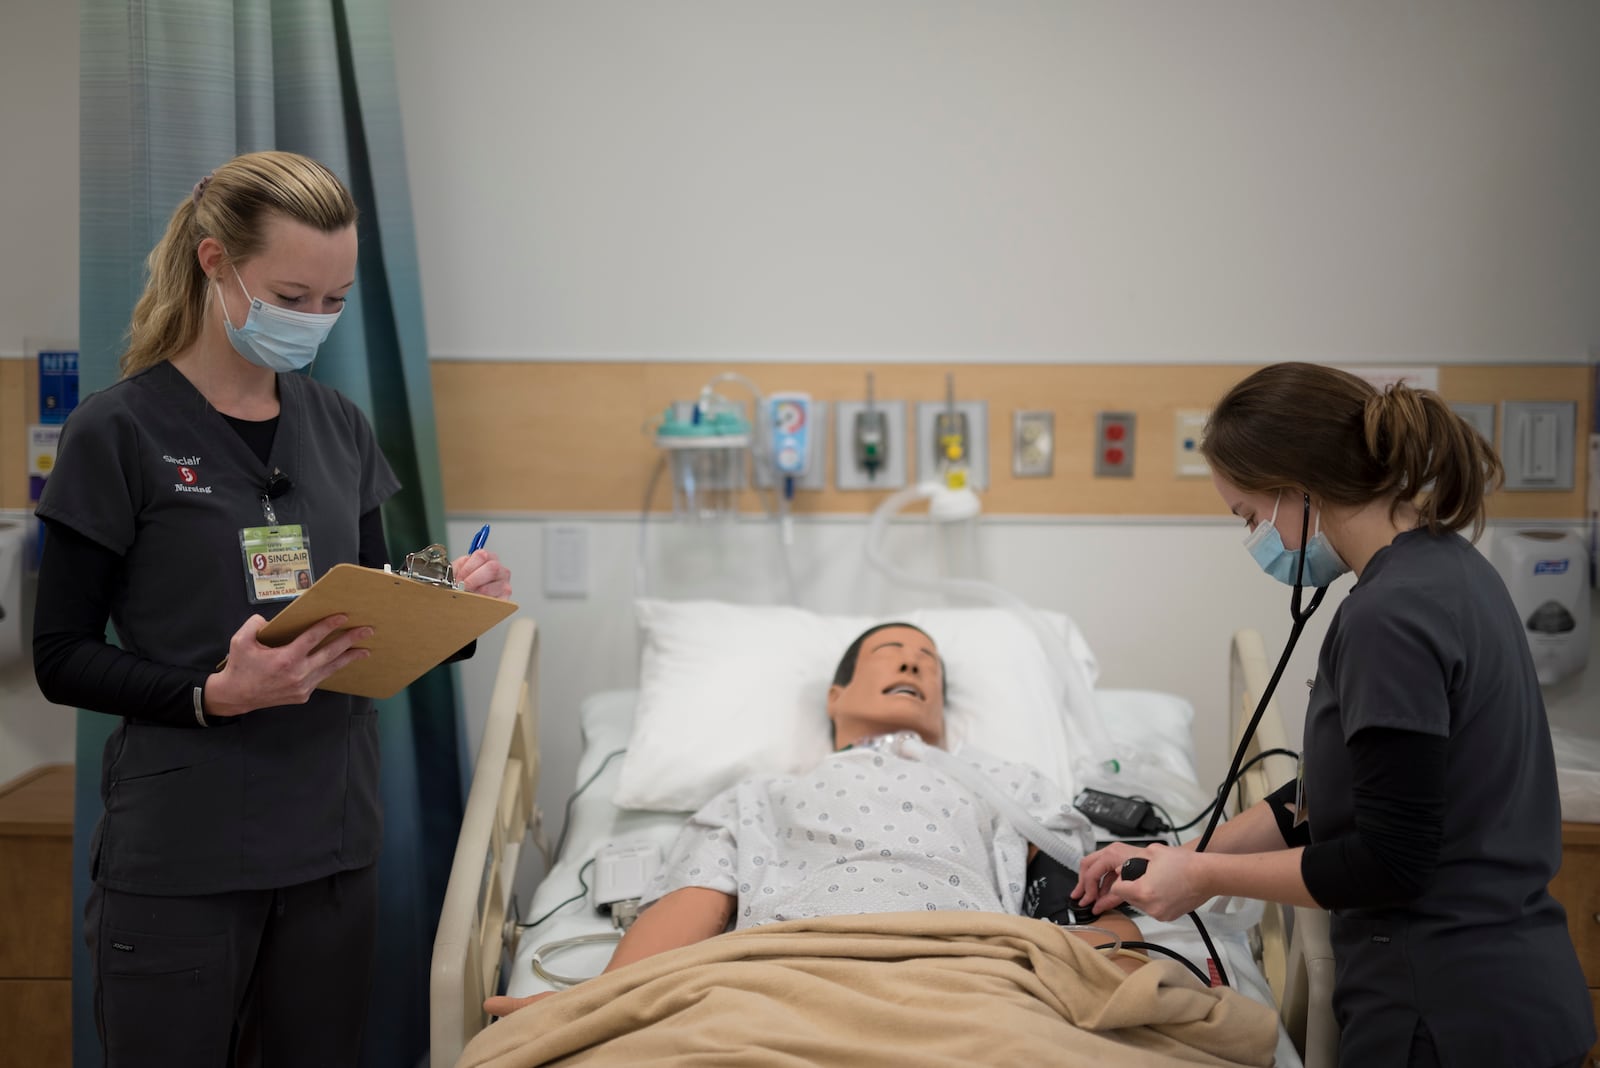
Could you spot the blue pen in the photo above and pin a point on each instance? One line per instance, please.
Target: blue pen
(479, 540)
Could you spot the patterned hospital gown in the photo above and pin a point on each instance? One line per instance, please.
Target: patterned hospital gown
(865, 832)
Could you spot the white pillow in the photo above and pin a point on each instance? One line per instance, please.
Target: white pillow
(730, 691)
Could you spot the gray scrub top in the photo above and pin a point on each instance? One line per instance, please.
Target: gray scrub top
(1429, 641)
(148, 469)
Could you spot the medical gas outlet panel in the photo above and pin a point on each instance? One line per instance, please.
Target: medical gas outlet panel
(870, 447)
(953, 433)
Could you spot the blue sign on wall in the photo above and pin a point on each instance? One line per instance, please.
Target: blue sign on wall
(58, 384)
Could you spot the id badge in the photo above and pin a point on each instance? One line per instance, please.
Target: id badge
(277, 562)
(1300, 793)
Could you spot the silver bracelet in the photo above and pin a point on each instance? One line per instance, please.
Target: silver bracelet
(200, 706)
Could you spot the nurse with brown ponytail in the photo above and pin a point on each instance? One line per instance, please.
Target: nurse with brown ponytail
(1429, 824)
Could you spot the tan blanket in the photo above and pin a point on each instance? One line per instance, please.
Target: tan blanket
(923, 988)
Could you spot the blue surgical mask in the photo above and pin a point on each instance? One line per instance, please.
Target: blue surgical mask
(277, 338)
(1265, 545)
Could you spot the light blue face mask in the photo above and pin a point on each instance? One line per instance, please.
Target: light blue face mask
(277, 338)
(1265, 545)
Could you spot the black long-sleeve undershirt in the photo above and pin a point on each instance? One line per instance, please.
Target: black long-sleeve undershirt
(76, 666)
(1398, 795)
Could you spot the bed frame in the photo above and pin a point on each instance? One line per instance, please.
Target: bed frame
(474, 931)
(1296, 956)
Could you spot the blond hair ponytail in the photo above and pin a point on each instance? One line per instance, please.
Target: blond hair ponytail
(167, 318)
(232, 205)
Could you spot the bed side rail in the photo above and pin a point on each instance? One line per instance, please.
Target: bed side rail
(501, 808)
(1296, 956)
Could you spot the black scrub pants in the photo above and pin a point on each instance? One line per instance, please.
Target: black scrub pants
(263, 978)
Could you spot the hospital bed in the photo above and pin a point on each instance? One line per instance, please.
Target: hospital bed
(479, 932)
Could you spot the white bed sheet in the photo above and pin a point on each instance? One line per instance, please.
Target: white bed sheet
(1155, 722)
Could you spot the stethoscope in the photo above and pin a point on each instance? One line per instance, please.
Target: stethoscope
(1134, 867)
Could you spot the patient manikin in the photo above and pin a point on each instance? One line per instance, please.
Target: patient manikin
(875, 827)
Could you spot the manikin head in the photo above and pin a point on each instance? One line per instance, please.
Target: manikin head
(890, 679)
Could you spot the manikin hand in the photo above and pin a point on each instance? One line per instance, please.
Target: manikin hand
(504, 1006)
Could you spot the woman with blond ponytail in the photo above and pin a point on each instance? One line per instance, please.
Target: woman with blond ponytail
(233, 913)
(1426, 818)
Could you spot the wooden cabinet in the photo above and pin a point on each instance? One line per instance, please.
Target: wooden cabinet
(1577, 887)
(36, 928)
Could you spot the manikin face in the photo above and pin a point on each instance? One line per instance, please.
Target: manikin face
(898, 685)
(1256, 508)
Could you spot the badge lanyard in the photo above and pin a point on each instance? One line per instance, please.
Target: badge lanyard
(277, 558)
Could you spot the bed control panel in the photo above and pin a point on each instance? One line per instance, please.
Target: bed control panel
(622, 871)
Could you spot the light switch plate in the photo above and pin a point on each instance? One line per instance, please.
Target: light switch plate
(1538, 444)
(566, 561)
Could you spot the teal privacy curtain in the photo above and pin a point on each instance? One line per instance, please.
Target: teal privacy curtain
(170, 89)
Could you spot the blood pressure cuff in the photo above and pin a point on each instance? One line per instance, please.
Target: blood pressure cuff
(1049, 894)
(1281, 803)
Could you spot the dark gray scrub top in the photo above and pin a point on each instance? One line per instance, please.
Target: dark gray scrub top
(1428, 641)
(275, 797)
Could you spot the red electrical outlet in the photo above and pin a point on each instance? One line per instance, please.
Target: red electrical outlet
(1113, 445)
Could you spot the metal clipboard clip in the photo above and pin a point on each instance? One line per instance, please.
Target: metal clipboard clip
(430, 566)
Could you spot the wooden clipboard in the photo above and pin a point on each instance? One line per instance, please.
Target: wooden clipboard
(415, 625)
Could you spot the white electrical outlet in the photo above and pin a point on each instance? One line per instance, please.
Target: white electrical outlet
(1033, 444)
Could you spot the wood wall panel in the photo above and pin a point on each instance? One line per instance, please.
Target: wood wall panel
(576, 435)
(19, 406)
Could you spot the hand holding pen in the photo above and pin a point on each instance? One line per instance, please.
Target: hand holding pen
(480, 571)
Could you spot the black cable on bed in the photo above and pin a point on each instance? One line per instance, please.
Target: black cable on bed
(575, 897)
(566, 818)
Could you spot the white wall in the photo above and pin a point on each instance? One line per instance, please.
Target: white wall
(39, 209)
(1008, 180)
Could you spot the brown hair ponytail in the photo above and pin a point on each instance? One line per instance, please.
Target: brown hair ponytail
(1433, 457)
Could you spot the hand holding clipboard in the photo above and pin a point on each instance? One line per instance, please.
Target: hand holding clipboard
(416, 618)
(366, 631)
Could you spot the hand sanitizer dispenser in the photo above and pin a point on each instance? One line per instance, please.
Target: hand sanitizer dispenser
(1546, 572)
